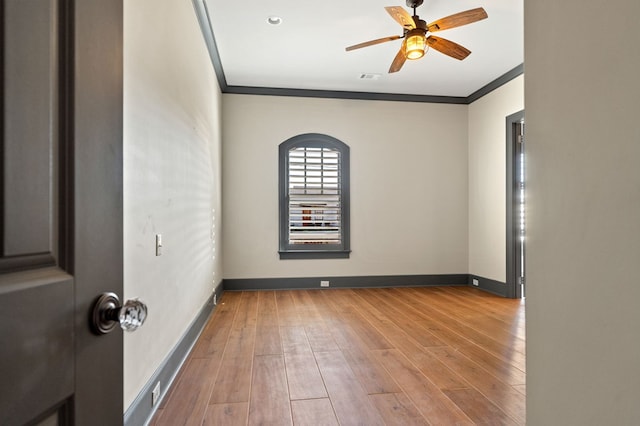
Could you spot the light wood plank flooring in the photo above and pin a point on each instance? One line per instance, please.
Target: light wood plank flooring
(393, 356)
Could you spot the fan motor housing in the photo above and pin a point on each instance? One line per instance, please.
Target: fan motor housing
(420, 23)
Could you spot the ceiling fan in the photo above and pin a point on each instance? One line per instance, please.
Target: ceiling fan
(416, 42)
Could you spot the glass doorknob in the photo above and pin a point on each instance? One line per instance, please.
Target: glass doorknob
(109, 312)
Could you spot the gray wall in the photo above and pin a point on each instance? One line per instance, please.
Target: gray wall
(487, 177)
(171, 179)
(439, 197)
(583, 142)
(408, 185)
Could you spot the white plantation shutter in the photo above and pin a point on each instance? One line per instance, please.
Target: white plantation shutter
(314, 196)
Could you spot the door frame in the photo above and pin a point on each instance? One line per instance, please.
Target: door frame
(97, 175)
(513, 121)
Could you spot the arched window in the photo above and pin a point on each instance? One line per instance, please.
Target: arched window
(314, 197)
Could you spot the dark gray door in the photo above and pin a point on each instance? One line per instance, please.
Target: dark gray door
(61, 212)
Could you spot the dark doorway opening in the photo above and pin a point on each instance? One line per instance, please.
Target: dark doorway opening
(516, 199)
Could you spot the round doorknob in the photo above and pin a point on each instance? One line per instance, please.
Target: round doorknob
(108, 312)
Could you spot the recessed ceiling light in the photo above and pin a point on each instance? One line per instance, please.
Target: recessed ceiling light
(274, 20)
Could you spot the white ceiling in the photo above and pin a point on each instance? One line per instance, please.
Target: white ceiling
(307, 50)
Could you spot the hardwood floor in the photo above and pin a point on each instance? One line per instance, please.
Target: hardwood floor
(393, 356)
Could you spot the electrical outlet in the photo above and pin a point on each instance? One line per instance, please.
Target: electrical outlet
(475, 282)
(155, 394)
(215, 299)
(324, 283)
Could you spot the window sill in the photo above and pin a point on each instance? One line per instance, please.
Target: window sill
(315, 254)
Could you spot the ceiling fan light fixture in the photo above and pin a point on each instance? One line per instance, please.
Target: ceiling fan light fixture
(416, 44)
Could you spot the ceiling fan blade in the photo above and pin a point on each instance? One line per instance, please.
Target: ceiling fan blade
(372, 42)
(458, 19)
(398, 61)
(401, 16)
(448, 47)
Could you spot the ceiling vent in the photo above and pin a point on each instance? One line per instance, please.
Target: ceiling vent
(369, 76)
